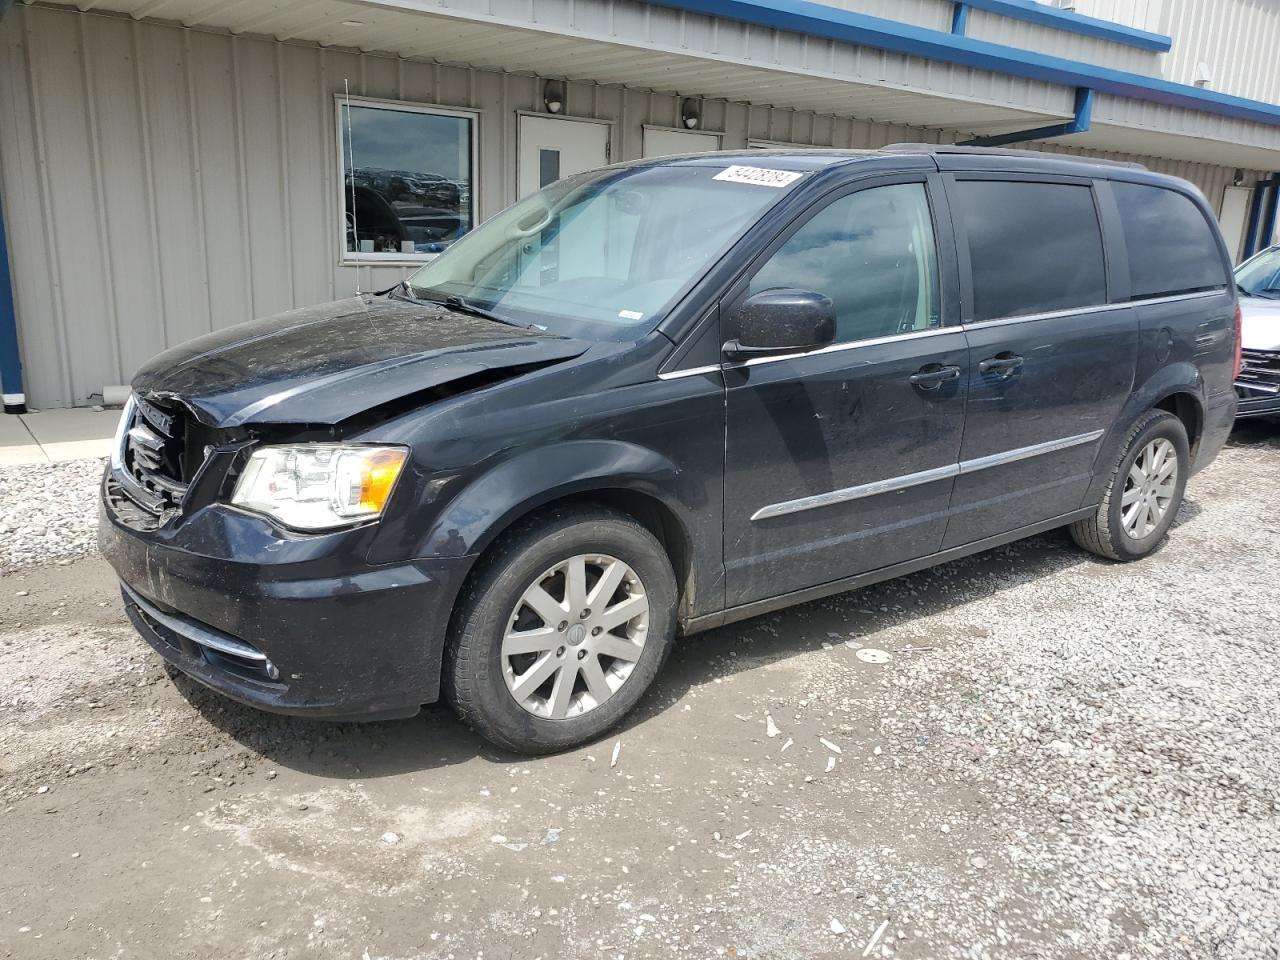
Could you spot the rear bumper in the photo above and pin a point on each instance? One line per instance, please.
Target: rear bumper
(296, 625)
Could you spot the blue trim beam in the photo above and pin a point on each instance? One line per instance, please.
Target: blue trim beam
(819, 20)
(10, 358)
(1084, 115)
(1071, 22)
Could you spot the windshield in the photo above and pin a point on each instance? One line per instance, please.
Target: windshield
(602, 255)
(1260, 276)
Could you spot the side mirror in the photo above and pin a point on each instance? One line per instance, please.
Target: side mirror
(782, 320)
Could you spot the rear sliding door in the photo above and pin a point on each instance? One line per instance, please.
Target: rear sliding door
(1051, 359)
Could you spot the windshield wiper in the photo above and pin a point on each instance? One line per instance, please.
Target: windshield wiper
(463, 305)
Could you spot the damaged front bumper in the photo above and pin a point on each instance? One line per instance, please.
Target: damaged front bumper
(287, 623)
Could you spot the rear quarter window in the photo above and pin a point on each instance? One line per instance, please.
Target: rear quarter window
(1171, 247)
(1033, 247)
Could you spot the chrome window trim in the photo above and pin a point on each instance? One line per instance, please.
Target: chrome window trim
(937, 331)
(893, 484)
(691, 372)
(1094, 308)
(841, 347)
(801, 354)
(1047, 315)
(1197, 295)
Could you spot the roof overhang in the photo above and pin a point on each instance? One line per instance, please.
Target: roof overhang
(784, 53)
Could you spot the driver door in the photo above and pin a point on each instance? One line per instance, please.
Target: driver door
(842, 460)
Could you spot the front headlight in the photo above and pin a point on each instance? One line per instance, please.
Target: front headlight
(319, 486)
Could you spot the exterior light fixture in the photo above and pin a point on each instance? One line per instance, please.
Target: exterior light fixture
(553, 96)
(690, 115)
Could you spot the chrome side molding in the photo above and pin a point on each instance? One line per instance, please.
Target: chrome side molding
(894, 484)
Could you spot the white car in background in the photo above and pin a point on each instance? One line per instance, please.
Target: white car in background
(1258, 385)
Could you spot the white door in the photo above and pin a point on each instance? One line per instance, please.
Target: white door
(553, 147)
(1235, 210)
(666, 143)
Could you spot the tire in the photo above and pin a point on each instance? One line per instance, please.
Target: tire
(1106, 533)
(482, 677)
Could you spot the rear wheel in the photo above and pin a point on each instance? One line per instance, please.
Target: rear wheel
(561, 631)
(1143, 493)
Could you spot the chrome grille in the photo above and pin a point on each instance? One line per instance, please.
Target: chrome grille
(152, 466)
(1259, 373)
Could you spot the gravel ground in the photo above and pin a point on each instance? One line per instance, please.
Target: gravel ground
(1026, 754)
(48, 512)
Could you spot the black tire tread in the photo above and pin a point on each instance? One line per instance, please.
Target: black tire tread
(1094, 533)
(465, 663)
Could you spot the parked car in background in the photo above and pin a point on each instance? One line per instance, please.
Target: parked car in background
(660, 397)
(1258, 283)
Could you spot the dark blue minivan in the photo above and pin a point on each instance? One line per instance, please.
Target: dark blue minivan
(660, 397)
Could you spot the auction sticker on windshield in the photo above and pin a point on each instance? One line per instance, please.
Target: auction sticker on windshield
(760, 176)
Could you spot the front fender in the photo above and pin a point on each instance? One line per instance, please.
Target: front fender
(1164, 383)
(524, 482)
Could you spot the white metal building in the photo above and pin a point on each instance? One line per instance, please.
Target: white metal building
(168, 167)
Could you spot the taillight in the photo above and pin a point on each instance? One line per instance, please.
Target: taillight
(1239, 343)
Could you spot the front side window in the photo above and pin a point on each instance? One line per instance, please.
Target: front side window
(1171, 247)
(600, 254)
(873, 254)
(1033, 247)
(407, 179)
(1260, 276)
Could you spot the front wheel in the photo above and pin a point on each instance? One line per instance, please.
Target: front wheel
(561, 631)
(1143, 493)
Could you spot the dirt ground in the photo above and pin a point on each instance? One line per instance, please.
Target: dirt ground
(926, 806)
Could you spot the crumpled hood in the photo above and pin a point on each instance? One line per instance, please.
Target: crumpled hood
(1261, 320)
(322, 364)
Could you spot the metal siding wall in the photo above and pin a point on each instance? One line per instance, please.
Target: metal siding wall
(933, 14)
(1238, 39)
(161, 182)
(936, 15)
(1061, 43)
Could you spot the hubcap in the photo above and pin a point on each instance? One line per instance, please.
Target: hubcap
(575, 636)
(1149, 488)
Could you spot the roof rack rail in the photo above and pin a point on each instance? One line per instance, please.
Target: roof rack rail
(1002, 152)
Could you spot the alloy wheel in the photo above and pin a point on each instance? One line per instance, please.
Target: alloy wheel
(1149, 489)
(575, 636)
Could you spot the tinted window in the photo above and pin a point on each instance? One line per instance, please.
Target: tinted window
(1034, 247)
(873, 254)
(1170, 244)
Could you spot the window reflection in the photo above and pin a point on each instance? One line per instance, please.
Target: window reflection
(407, 187)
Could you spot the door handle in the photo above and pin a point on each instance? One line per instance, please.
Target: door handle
(1005, 364)
(932, 376)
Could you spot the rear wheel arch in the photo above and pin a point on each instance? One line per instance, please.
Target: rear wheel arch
(1186, 406)
(1176, 389)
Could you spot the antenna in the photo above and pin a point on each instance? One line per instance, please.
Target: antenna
(351, 168)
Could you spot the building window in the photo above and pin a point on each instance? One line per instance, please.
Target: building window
(408, 184)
